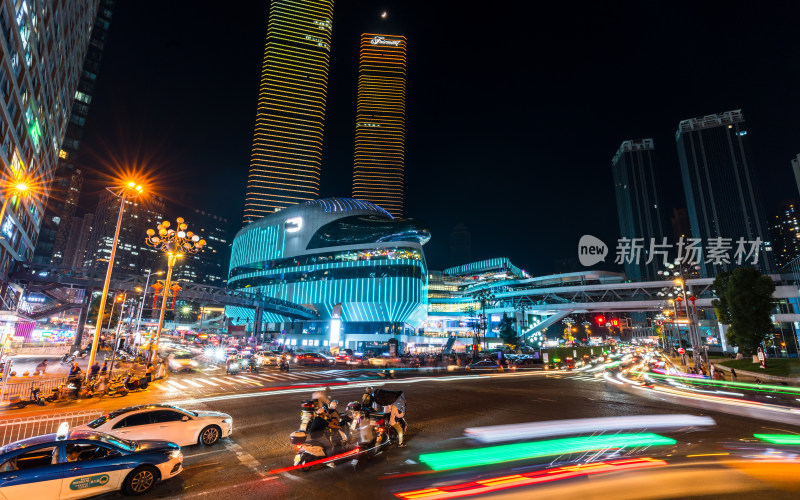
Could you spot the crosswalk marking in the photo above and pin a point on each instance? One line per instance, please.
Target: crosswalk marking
(223, 381)
(176, 385)
(190, 382)
(205, 381)
(242, 378)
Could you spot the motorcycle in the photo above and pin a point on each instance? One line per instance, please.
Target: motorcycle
(68, 359)
(233, 368)
(16, 401)
(66, 391)
(283, 366)
(115, 387)
(132, 383)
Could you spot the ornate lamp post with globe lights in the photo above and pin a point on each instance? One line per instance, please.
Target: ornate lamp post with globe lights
(175, 243)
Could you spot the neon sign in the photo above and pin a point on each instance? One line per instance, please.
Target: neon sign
(293, 225)
(379, 40)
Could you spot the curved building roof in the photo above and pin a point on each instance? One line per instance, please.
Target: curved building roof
(318, 224)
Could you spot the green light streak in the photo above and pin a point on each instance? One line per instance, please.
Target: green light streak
(521, 451)
(721, 383)
(779, 438)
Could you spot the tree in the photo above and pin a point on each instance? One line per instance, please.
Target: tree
(745, 303)
(508, 333)
(91, 316)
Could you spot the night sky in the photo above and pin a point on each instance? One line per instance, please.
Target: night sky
(514, 110)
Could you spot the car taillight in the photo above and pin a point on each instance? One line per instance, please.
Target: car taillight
(298, 446)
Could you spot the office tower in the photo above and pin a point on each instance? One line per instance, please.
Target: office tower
(680, 224)
(796, 170)
(720, 187)
(379, 166)
(43, 54)
(286, 158)
(638, 205)
(209, 267)
(460, 245)
(65, 190)
(785, 232)
(79, 237)
(133, 255)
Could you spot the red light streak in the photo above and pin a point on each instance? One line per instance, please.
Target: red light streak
(516, 480)
(354, 451)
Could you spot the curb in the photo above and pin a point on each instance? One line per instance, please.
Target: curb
(760, 376)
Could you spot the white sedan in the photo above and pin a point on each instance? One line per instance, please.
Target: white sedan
(166, 423)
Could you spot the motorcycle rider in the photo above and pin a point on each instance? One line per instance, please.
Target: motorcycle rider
(316, 432)
(394, 420)
(335, 419)
(283, 363)
(368, 398)
(322, 398)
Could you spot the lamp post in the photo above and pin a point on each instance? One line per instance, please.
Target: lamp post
(678, 273)
(484, 296)
(129, 190)
(175, 243)
(144, 294)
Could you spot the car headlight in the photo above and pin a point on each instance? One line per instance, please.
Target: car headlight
(172, 455)
(193, 363)
(228, 421)
(234, 365)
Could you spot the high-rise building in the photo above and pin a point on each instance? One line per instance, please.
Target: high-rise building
(43, 49)
(79, 237)
(784, 230)
(638, 205)
(286, 158)
(680, 224)
(721, 190)
(379, 166)
(210, 266)
(133, 255)
(65, 190)
(796, 170)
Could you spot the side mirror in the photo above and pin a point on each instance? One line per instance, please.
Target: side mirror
(184, 418)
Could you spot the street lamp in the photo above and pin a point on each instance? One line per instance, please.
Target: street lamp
(175, 243)
(15, 188)
(129, 190)
(144, 294)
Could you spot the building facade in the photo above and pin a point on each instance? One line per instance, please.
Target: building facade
(210, 266)
(796, 170)
(785, 233)
(43, 48)
(335, 251)
(638, 205)
(379, 166)
(721, 191)
(80, 236)
(133, 255)
(65, 189)
(285, 163)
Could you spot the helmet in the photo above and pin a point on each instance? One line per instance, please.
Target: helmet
(369, 390)
(321, 410)
(333, 404)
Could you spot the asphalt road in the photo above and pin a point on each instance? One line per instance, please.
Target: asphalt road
(439, 409)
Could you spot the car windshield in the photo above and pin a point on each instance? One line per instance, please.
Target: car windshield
(125, 444)
(183, 355)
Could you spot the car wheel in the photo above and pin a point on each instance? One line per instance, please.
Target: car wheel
(210, 435)
(140, 480)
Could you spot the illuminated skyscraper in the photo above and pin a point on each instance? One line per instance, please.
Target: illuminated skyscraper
(380, 122)
(287, 143)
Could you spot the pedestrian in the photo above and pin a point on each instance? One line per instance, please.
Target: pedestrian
(104, 369)
(42, 367)
(149, 372)
(733, 375)
(711, 370)
(94, 370)
(75, 370)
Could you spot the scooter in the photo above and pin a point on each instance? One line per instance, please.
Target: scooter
(284, 366)
(16, 400)
(67, 359)
(133, 384)
(115, 387)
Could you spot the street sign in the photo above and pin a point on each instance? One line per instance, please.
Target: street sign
(681, 351)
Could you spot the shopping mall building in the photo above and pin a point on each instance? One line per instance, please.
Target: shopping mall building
(330, 252)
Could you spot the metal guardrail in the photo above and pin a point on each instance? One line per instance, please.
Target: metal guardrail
(23, 387)
(15, 429)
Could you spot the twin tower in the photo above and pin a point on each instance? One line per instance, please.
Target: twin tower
(286, 159)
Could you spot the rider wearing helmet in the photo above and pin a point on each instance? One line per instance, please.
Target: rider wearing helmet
(316, 430)
(322, 398)
(335, 419)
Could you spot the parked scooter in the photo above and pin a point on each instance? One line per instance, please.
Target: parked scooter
(16, 400)
(115, 387)
(134, 384)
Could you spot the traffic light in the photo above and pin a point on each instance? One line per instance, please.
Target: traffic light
(600, 320)
(615, 322)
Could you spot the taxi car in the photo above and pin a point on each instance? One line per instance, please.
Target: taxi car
(166, 422)
(80, 464)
